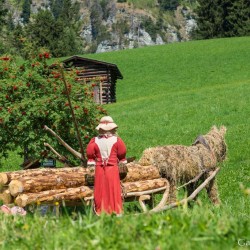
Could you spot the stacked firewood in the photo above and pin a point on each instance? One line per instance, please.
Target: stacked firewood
(69, 185)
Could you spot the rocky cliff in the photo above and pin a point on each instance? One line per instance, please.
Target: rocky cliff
(124, 26)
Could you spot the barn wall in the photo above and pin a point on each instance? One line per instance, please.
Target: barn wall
(106, 92)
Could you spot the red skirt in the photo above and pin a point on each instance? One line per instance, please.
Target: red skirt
(107, 190)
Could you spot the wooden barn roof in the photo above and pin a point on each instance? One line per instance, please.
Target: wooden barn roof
(86, 61)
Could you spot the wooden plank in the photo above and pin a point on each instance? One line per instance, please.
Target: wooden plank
(101, 102)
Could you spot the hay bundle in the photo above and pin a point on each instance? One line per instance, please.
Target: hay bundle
(180, 164)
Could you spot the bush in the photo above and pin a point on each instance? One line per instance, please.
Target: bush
(34, 95)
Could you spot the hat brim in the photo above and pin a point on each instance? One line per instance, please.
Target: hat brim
(106, 126)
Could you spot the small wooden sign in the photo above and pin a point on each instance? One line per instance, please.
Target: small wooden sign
(48, 163)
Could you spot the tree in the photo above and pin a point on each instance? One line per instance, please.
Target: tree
(59, 37)
(56, 7)
(17, 39)
(96, 16)
(26, 11)
(44, 31)
(237, 19)
(65, 10)
(222, 18)
(106, 8)
(209, 21)
(168, 4)
(33, 95)
(3, 13)
(152, 28)
(98, 30)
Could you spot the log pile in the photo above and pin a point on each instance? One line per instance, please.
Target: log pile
(50, 185)
(69, 185)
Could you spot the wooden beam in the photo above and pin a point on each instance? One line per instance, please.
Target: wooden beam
(189, 198)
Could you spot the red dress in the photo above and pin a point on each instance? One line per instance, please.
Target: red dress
(105, 152)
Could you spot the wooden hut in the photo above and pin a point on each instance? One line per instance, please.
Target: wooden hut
(89, 70)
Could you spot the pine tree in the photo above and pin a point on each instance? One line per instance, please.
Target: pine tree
(238, 19)
(56, 7)
(168, 4)
(208, 20)
(96, 15)
(222, 18)
(44, 31)
(58, 36)
(26, 11)
(3, 13)
(17, 39)
(67, 10)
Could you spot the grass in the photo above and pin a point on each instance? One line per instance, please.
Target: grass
(178, 229)
(169, 95)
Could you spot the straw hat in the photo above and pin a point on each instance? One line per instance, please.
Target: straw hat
(106, 123)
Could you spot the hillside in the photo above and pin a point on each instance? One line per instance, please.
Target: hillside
(120, 25)
(172, 93)
(192, 80)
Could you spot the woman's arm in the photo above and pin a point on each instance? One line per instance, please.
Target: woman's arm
(121, 150)
(91, 152)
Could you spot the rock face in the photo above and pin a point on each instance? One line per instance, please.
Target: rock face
(124, 26)
(138, 34)
(106, 46)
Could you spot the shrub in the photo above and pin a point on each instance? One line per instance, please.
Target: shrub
(33, 95)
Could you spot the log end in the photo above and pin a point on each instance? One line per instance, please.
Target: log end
(6, 197)
(3, 179)
(21, 200)
(15, 187)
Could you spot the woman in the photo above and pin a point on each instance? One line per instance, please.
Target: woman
(105, 152)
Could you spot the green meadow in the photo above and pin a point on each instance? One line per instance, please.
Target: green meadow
(170, 94)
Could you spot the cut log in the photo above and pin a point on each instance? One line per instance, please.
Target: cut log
(3, 179)
(140, 186)
(37, 180)
(137, 172)
(81, 193)
(6, 197)
(48, 182)
(68, 194)
(3, 188)
(7, 177)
